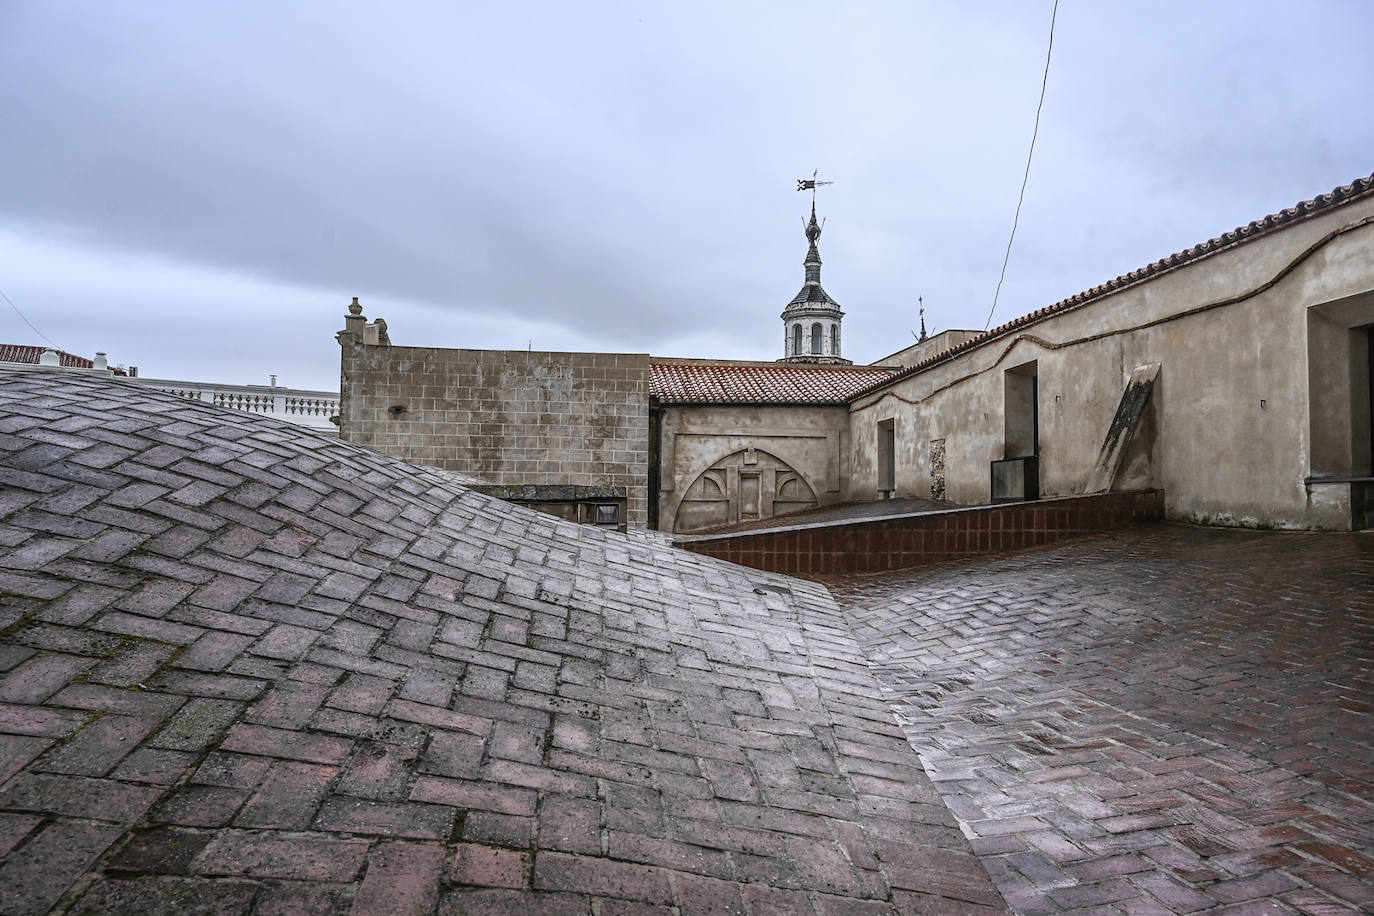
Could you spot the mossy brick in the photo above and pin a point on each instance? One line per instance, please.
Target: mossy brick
(99, 746)
(285, 743)
(562, 872)
(402, 878)
(78, 796)
(17, 751)
(198, 724)
(306, 858)
(41, 676)
(36, 874)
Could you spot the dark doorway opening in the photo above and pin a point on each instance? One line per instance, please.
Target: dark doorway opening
(887, 457)
(1017, 475)
(1021, 411)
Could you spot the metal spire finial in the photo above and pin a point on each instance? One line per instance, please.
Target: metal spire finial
(922, 337)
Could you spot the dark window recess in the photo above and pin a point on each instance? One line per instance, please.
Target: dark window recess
(608, 515)
(1021, 411)
(1016, 479)
(887, 456)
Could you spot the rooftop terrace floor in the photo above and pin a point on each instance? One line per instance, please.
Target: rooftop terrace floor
(1169, 719)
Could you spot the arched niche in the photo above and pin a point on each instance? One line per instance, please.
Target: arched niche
(742, 486)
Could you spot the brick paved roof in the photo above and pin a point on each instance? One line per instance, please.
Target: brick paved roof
(1322, 203)
(249, 668)
(1171, 719)
(698, 382)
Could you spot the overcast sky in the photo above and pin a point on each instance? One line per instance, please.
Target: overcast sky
(199, 188)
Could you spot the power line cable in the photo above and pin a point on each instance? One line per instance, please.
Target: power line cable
(27, 321)
(1025, 178)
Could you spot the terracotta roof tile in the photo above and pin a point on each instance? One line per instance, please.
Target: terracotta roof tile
(23, 353)
(727, 383)
(1359, 188)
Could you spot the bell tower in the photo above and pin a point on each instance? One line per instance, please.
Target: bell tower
(811, 321)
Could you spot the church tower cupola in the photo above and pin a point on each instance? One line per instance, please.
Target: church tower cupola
(811, 321)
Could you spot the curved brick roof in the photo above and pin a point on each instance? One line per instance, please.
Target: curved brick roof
(248, 668)
(726, 383)
(1322, 203)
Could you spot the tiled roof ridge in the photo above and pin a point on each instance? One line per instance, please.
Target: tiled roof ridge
(689, 362)
(722, 383)
(71, 360)
(1359, 188)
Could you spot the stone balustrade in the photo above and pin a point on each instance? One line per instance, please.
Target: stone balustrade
(302, 406)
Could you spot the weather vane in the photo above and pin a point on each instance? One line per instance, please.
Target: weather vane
(811, 184)
(921, 302)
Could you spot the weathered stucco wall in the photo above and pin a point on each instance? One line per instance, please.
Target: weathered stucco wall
(1229, 430)
(808, 440)
(507, 416)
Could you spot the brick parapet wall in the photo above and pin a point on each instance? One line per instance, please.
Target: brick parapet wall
(903, 541)
(511, 417)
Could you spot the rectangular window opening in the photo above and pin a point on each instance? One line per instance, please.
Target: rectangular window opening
(1020, 411)
(887, 457)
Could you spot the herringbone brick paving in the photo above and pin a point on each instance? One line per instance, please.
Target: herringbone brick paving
(1171, 719)
(248, 669)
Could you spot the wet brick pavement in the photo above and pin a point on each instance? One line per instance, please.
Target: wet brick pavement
(248, 669)
(1170, 720)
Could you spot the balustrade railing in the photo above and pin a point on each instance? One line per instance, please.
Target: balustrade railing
(304, 407)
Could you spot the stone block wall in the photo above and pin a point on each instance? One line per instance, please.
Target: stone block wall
(507, 416)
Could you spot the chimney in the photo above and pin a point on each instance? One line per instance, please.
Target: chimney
(49, 358)
(101, 362)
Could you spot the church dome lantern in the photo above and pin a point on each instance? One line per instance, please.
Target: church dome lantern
(811, 321)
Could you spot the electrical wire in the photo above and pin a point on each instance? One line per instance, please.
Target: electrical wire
(27, 321)
(1025, 178)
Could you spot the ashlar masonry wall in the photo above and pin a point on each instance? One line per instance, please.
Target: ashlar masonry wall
(507, 416)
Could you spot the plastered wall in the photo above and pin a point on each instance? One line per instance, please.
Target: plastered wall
(1228, 433)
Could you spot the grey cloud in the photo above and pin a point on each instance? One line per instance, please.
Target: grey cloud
(624, 170)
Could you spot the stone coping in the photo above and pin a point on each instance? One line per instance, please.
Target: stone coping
(680, 539)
